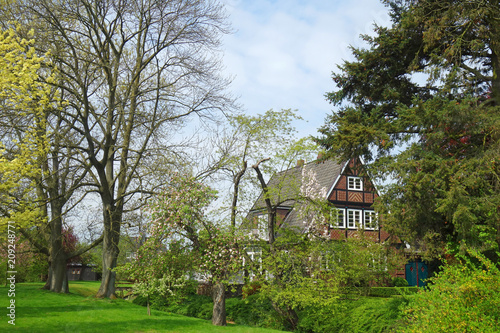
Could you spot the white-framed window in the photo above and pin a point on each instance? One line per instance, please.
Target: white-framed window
(255, 254)
(259, 230)
(354, 218)
(370, 220)
(338, 218)
(355, 183)
(324, 262)
(131, 255)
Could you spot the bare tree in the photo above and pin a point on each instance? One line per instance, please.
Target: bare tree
(131, 73)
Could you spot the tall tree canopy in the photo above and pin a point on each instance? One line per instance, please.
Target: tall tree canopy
(38, 175)
(421, 104)
(131, 72)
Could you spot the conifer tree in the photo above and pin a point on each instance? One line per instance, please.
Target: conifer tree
(421, 104)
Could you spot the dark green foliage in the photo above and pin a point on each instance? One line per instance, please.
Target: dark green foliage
(192, 305)
(362, 315)
(399, 282)
(391, 291)
(359, 314)
(197, 306)
(156, 301)
(253, 311)
(429, 87)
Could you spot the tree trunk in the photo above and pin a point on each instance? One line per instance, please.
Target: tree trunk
(110, 251)
(219, 310)
(109, 256)
(49, 277)
(271, 210)
(237, 180)
(59, 278)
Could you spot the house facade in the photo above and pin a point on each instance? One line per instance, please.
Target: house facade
(347, 186)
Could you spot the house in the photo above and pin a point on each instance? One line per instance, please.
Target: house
(81, 272)
(345, 185)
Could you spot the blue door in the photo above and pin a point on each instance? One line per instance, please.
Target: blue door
(416, 273)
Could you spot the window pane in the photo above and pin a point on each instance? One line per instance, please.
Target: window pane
(355, 183)
(370, 220)
(353, 218)
(338, 218)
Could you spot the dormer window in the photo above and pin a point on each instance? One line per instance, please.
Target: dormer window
(355, 183)
(259, 230)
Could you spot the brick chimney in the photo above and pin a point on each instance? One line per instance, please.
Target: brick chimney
(300, 163)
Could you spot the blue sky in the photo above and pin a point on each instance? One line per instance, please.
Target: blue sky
(283, 51)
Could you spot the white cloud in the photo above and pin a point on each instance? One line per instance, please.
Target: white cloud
(283, 52)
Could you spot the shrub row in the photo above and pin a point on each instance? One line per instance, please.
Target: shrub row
(391, 291)
(365, 314)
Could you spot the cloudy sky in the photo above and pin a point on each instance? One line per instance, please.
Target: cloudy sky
(283, 51)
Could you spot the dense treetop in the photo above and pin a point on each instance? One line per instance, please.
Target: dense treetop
(429, 87)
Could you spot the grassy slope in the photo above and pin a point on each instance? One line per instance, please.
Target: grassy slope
(42, 311)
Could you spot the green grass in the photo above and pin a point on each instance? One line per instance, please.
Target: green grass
(42, 311)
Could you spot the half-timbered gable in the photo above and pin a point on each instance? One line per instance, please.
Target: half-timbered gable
(345, 185)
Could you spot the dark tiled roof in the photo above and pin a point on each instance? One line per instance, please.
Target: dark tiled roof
(285, 186)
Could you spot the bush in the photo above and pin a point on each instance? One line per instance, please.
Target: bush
(251, 288)
(31, 267)
(391, 291)
(365, 314)
(156, 302)
(252, 311)
(399, 282)
(362, 315)
(198, 306)
(464, 296)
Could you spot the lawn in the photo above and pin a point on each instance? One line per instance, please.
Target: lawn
(42, 311)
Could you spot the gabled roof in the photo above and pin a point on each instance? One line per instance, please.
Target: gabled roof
(286, 186)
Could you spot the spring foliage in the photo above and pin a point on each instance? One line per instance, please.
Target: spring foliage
(22, 93)
(181, 242)
(463, 297)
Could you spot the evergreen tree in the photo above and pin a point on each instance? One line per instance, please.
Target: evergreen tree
(421, 104)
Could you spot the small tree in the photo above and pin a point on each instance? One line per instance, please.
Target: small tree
(179, 214)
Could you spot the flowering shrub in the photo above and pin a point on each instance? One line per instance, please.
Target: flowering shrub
(181, 241)
(31, 266)
(180, 211)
